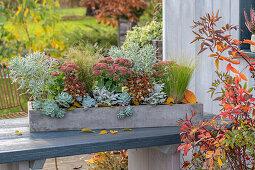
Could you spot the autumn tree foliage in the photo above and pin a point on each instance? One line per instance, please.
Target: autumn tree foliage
(109, 11)
(219, 144)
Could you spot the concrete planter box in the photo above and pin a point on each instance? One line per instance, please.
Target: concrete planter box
(106, 118)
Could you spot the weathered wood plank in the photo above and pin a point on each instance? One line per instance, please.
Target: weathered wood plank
(35, 146)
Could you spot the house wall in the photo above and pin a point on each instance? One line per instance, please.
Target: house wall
(178, 16)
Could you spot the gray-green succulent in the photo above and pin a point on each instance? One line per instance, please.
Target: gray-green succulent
(157, 96)
(50, 108)
(125, 112)
(37, 105)
(89, 102)
(64, 99)
(61, 113)
(104, 96)
(124, 98)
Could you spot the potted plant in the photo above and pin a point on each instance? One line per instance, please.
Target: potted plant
(128, 93)
(251, 26)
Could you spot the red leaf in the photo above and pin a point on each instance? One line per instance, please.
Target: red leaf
(228, 107)
(181, 147)
(186, 148)
(229, 67)
(234, 70)
(242, 76)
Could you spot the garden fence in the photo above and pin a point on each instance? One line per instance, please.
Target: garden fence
(9, 95)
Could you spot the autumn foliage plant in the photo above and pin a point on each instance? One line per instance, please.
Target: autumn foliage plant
(218, 143)
(109, 11)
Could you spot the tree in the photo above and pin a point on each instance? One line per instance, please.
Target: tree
(109, 11)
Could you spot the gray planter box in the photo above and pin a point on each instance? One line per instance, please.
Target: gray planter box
(106, 118)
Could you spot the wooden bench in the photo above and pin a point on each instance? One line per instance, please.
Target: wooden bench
(19, 152)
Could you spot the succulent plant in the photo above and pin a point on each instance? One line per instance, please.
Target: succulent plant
(50, 108)
(64, 99)
(125, 112)
(124, 98)
(104, 96)
(157, 96)
(121, 114)
(79, 99)
(61, 113)
(129, 110)
(37, 105)
(89, 102)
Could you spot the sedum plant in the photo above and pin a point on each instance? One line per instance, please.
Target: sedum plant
(64, 99)
(105, 97)
(157, 96)
(144, 35)
(33, 73)
(112, 73)
(142, 57)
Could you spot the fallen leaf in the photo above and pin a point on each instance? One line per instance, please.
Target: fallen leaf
(113, 131)
(71, 108)
(135, 102)
(77, 104)
(18, 132)
(103, 132)
(126, 129)
(185, 101)
(103, 105)
(169, 101)
(87, 130)
(190, 96)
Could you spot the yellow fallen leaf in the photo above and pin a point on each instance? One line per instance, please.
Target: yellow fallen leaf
(77, 104)
(18, 132)
(103, 105)
(126, 129)
(135, 102)
(103, 132)
(88, 130)
(113, 131)
(71, 108)
(190, 96)
(185, 101)
(169, 101)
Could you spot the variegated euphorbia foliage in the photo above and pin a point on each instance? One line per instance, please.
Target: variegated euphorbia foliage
(218, 143)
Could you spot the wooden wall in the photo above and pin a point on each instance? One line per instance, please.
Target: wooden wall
(178, 16)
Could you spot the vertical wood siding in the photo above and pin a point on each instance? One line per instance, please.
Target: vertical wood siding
(178, 16)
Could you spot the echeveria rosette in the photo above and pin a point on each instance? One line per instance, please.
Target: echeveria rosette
(124, 98)
(125, 111)
(89, 102)
(37, 105)
(61, 113)
(50, 108)
(64, 99)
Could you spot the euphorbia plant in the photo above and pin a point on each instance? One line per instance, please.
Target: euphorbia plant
(223, 144)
